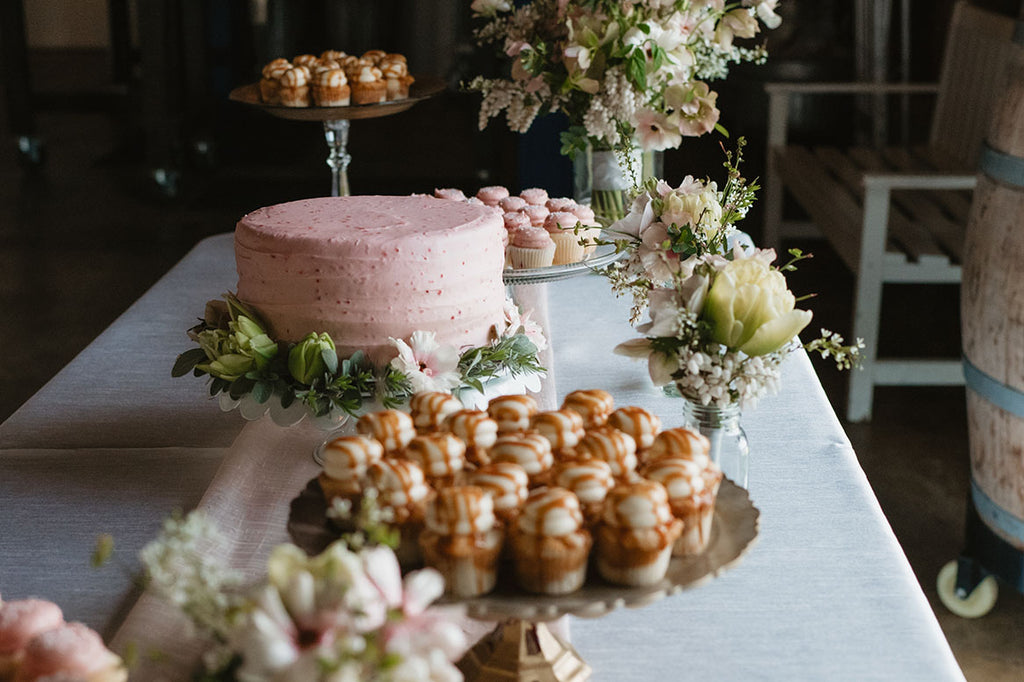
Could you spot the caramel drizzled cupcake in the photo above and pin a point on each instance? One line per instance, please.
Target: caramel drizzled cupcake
(590, 480)
(345, 463)
(549, 544)
(594, 405)
(507, 483)
(562, 428)
(368, 86)
(680, 442)
(429, 409)
(374, 56)
(402, 488)
(270, 82)
(635, 536)
(307, 60)
(691, 499)
(442, 457)
(331, 89)
(332, 56)
(462, 541)
(477, 430)
(512, 412)
(396, 78)
(293, 89)
(643, 425)
(393, 428)
(531, 451)
(611, 446)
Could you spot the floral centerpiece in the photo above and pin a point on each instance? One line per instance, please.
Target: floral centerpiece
(242, 361)
(342, 616)
(721, 315)
(623, 71)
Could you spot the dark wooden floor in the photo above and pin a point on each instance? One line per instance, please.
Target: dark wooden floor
(82, 238)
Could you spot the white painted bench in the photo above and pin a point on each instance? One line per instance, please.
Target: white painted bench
(894, 214)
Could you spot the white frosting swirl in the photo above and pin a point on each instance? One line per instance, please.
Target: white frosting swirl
(552, 512)
(393, 428)
(639, 423)
(439, 454)
(531, 451)
(512, 412)
(612, 446)
(506, 482)
(347, 457)
(398, 482)
(461, 510)
(637, 506)
(682, 478)
(590, 480)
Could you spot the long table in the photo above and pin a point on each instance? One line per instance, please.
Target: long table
(113, 445)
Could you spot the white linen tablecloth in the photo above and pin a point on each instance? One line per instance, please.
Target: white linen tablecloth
(113, 444)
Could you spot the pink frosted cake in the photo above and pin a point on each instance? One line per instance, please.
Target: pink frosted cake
(366, 268)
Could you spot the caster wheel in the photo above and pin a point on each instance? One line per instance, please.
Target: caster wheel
(976, 604)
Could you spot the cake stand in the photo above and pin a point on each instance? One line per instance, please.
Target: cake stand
(335, 120)
(521, 648)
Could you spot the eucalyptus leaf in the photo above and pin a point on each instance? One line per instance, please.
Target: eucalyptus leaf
(330, 358)
(187, 361)
(261, 392)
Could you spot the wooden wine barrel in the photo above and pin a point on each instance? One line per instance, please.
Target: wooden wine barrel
(992, 314)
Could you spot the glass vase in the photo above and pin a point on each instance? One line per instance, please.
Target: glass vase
(721, 425)
(604, 179)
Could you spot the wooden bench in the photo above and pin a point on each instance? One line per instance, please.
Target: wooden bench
(894, 214)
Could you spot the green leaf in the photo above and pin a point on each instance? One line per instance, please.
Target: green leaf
(330, 358)
(261, 392)
(187, 361)
(722, 130)
(636, 69)
(287, 398)
(240, 387)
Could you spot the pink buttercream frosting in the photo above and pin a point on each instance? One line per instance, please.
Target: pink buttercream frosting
(515, 221)
(366, 268)
(452, 193)
(532, 238)
(560, 220)
(492, 195)
(585, 214)
(512, 204)
(537, 214)
(535, 196)
(560, 204)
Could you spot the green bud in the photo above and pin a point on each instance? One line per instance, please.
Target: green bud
(305, 360)
(229, 366)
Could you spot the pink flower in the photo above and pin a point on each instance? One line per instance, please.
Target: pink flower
(697, 114)
(428, 365)
(656, 131)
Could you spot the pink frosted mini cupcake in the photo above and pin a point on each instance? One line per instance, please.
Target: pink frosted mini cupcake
(450, 193)
(635, 536)
(535, 196)
(550, 544)
(536, 214)
(462, 541)
(492, 195)
(560, 204)
(70, 651)
(590, 229)
(561, 225)
(531, 247)
(512, 204)
(514, 221)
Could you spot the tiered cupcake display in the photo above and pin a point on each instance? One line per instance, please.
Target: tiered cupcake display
(542, 230)
(533, 498)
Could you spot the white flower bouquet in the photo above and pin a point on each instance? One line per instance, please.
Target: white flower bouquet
(341, 616)
(621, 70)
(722, 317)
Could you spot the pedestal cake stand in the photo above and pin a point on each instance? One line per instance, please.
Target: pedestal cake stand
(335, 120)
(521, 648)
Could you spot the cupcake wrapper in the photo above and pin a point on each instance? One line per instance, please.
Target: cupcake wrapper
(568, 248)
(551, 565)
(638, 575)
(696, 532)
(525, 258)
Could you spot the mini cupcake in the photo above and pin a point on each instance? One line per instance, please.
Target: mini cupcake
(396, 77)
(442, 457)
(368, 87)
(20, 621)
(307, 60)
(535, 196)
(345, 461)
(691, 499)
(393, 428)
(590, 229)
(270, 82)
(450, 193)
(293, 90)
(71, 651)
(429, 409)
(492, 195)
(353, 65)
(515, 221)
(531, 247)
(560, 204)
(477, 430)
(561, 225)
(462, 541)
(512, 412)
(402, 489)
(679, 442)
(536, 214)
(512, 204)
(594, 405)
(612, 446)
(562, 428)
(550, 544)
(531, 451)
(332, 56)
(331, 89)
(635, 536)
(590, 480)
(374, 56)
(643, 425)
(507, 483)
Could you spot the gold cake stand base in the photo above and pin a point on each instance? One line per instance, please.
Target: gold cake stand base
(522, 651)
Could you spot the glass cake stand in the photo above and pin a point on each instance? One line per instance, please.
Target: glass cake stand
(335, 120)
(521, 647)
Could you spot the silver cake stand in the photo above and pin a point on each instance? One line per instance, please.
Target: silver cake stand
(335, 120)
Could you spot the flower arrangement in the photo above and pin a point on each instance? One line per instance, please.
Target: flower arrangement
(346, 614)
(241, 359)
(722, 317)
(619, 69)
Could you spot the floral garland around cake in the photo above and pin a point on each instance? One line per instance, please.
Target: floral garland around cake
(243, 361)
